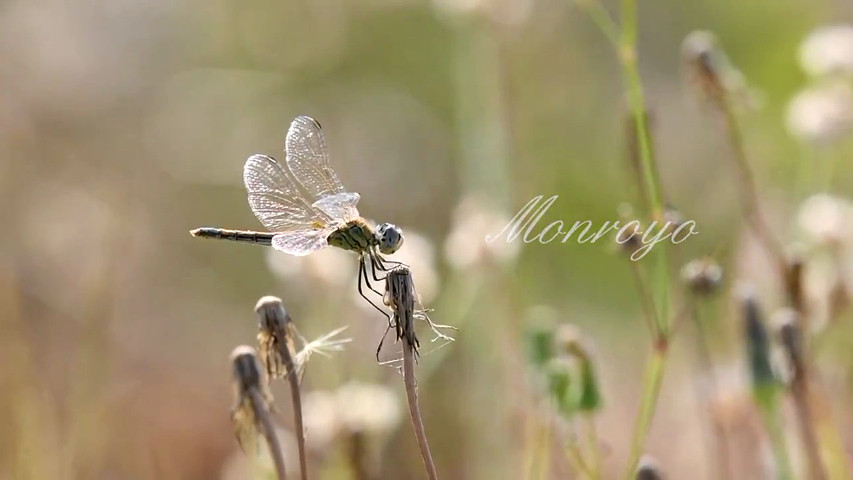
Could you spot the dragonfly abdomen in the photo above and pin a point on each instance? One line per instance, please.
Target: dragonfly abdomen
(246, 236)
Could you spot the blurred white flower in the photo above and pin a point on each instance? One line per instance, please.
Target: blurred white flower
(367, 408)
(506, 12)
(331, 266)
(828, 50)
(822, 113)
(321, 419)
(466, 246)
(826, 220)
(355, 407)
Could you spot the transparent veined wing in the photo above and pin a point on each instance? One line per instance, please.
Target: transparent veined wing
(339, 206)
(301, 242)
(308, 160)
(275, 197)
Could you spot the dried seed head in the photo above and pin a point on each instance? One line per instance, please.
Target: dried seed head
(275, 332)
(702, 276)
(271, 313)
(247, 369)
(710, 70)
(400, 297)
(648, 469)
(249, 386)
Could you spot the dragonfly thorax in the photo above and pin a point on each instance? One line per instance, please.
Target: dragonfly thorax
(355, 235)
(358, 236)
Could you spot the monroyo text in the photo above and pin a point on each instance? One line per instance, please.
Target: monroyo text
(528, 217)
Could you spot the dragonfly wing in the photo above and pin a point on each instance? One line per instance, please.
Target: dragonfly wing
(301, 242)
(341, 205)
(275, 197)
(308, 160)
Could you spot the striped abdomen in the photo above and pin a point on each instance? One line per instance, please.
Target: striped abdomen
(247, 236)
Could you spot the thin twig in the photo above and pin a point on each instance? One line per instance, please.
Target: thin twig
(263, 415)
(296, 398)
(414, 409)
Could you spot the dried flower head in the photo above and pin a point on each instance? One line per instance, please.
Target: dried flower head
(822, 113)
(275, 333)
(828, 50)
(402, 298)
(702, 276)
(709, 69)
(250, 388)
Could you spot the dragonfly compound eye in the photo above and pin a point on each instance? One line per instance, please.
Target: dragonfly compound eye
(389, 237)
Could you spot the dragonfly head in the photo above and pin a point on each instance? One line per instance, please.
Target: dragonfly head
(389, 238)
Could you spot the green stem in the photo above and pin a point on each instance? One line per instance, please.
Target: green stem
(770, 415)
(648, 401)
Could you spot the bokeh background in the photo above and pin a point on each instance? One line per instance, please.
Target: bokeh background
(124, 124)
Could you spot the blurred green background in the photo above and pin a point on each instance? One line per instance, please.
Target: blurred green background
(124, 124)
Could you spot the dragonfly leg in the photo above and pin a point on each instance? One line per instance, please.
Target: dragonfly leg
(382, 340)
(362, 276)
(363, 260)
(376, 263)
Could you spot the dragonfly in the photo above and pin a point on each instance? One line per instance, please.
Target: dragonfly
(306, 208)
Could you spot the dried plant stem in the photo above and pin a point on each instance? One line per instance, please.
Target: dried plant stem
(296, 399)
(749, 192)
(805, 421)
(414, 409)
(721, 440)
(263, 415)
(651, 387)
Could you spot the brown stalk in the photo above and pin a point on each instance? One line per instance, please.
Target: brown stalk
(252, 393)
(276, 339)
(400, 296)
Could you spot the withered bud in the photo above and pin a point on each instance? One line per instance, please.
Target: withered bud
(275, 338)
(400, 296)
(247, 369)
(705, 64)
(702, 276)
(271, 314)
(648, 469)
